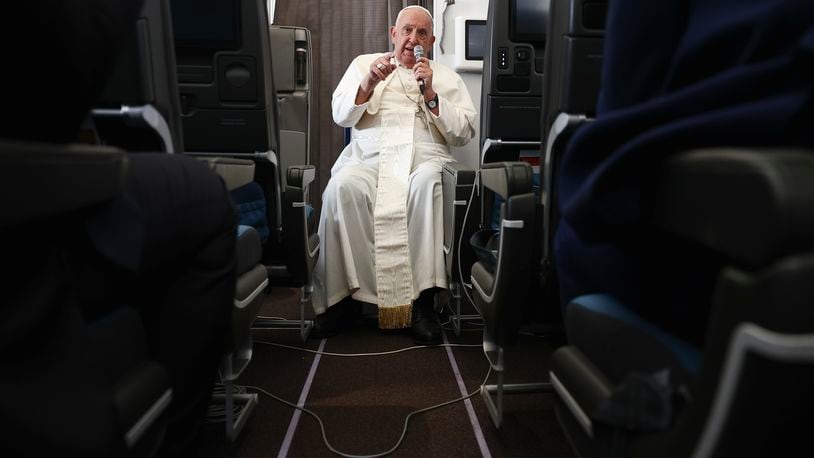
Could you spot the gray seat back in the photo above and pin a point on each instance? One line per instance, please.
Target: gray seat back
(570, 90)
(139, 107)
(512, 87)
(291, 54)
(224, 76)
(227, 91)
(573, 63)
(229, 108)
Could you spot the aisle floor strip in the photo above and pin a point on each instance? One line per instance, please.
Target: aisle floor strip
(473, 419)
(295, 419)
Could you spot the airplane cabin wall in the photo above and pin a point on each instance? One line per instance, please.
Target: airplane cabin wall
(445, 33)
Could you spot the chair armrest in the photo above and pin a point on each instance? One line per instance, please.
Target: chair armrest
(459, 168)
(763, 212)
(507, 178)
(235, 172)
(300, 176)
(39, 180)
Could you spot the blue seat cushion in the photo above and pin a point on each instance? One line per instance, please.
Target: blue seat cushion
(250, 202)
(249, 248)
(619, 341)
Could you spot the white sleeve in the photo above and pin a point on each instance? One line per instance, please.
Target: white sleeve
(343, 103)
(456, 114)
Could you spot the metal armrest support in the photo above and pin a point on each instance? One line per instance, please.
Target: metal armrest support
(140, 398)
(301, 247)
(580, 385)
(461, 217)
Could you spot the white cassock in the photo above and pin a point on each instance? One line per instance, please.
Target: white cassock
(381, 227)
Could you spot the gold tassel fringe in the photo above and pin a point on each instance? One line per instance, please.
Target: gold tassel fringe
(397, 317)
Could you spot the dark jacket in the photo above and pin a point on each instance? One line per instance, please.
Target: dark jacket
(676, 75)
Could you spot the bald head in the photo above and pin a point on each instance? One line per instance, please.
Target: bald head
(413, 27)
(415, 8)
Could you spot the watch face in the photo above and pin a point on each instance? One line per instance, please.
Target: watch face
(432, 103)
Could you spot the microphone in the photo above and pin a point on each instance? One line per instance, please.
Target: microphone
(418, 51)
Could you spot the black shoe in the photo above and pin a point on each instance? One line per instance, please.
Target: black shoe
(325, 325)
(340, 316)
(426, 325)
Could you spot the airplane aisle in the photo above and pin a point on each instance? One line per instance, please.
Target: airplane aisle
(363, 400)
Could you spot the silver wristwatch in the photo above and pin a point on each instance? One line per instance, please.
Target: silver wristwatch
(432, 103)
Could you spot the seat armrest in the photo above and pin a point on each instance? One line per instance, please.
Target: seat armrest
(507, 178)
(235, 172)
(458, 167)
(39, 180)
(300, 176)
(753, 206)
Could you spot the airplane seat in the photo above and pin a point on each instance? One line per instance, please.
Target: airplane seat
(145, 84)
(252, 282)
(512, 182)
(498, 276)
(230, 109)
(137, 110)
(72, 368)
(461, 216)
(628, 388)
(292, 73)
(511, 102)
(513, 70)
(573, 67)
(573, 59)
(632, 386)
(509, 210)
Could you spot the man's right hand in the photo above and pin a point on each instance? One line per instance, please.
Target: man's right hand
(379, 70)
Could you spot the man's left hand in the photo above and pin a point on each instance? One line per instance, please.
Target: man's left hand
(423, 71)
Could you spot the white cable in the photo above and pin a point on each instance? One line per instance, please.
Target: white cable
(380, 353)
(403, 431)
(217, 411)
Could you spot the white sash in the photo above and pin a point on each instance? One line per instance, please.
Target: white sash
(394, 277)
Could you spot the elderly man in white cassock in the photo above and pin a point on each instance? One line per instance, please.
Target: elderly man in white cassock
(381, 227)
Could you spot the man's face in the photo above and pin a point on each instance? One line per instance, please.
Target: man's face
(413, 28)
